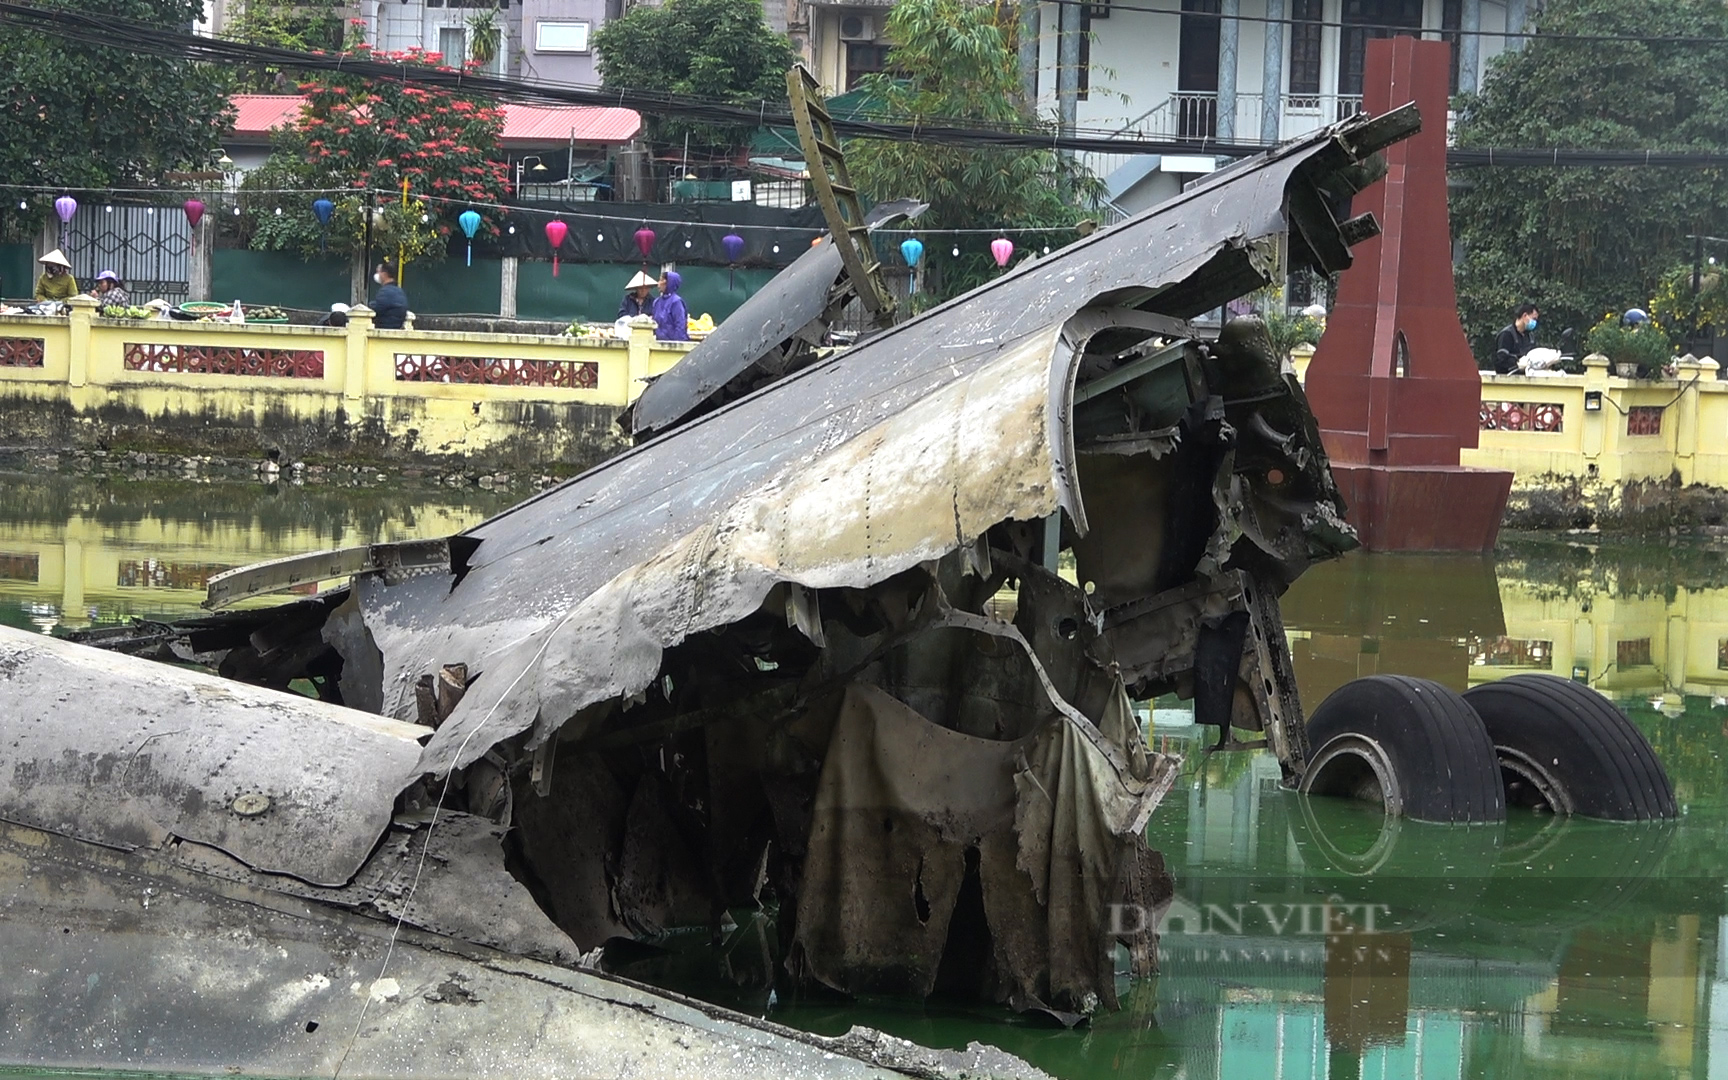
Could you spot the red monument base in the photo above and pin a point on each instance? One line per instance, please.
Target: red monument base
(1424, 507)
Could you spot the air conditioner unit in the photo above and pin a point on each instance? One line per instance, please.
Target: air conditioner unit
(857, 28)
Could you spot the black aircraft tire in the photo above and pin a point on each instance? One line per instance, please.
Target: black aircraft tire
(1411, 744)
(1573, 749)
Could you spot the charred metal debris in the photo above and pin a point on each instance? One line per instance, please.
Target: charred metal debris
(861, 643)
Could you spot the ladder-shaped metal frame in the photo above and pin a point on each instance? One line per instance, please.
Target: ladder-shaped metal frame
(836, 195)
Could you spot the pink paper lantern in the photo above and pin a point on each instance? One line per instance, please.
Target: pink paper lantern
(194, 212)
(645, 242)
(555, 233)
(1002, 249)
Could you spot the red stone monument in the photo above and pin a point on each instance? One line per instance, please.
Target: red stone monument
(1393, 383)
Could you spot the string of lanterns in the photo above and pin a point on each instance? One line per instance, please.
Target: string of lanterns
(557, 231)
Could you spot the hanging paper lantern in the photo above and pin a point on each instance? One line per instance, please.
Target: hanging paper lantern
(194, 211)
(1002, 249)
(322, 209)
(555, 233)
(65, 206)
(912, 249)
(734, 247)
(470, 222)
(645, 242)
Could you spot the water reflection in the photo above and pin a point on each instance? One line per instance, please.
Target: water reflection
(76, 552)
(1308, 938)
(1631, 622)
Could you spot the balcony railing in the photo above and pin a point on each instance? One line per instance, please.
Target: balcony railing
(1194, 116)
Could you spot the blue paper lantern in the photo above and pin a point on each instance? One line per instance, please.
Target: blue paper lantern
(322, 209)
(912, 249)
(470, 222)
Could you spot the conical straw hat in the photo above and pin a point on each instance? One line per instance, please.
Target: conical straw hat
(640, 281)
(55, 258)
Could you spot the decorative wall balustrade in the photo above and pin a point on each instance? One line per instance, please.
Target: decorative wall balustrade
(1644, 420)
(21, 352)
(219, 360)
(1521, 416)
(496, 371)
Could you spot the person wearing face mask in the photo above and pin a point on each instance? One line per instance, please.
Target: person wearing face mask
(1515, 341)
(56, 282)
(390, 306)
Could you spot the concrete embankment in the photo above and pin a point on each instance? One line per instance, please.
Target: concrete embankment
(452, 400)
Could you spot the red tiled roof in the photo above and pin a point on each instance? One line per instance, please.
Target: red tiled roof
(524, 125)
(538, 125)
(261, 114)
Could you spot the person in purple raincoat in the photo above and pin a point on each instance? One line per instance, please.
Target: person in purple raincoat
(671, 321)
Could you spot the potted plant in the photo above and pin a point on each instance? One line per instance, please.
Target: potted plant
(1636, 350)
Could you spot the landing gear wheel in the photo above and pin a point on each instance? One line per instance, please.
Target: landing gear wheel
(1566, 748)
(1411, 745)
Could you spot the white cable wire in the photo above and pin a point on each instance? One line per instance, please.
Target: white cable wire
(420, 867)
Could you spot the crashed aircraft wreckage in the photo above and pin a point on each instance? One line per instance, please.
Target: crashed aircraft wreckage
(859, 644)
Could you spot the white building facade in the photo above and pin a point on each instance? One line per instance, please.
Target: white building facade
(1243, 71)
(1234, 71)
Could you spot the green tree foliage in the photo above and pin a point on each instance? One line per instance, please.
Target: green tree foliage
(367, 137)
(952, 59)
(715, 49)
(302, 25)
(80, 115)
(1581, 241)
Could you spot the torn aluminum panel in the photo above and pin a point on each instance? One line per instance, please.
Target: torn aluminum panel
(898, 486)
(657, 654)
(136, 962)
(567, 600)
(127, 753)
(775, 332)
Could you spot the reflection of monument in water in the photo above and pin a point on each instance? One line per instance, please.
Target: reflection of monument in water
(1489, 947)
(1462, 622)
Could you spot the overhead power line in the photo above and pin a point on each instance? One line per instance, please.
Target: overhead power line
(1397, 28)
(90, 29)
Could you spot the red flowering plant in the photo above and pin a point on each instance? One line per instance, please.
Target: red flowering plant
(355, 142)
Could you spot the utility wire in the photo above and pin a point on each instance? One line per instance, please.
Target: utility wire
(1400, 28)
(141, 38)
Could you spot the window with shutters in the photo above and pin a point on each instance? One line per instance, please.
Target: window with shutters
(1305, 48)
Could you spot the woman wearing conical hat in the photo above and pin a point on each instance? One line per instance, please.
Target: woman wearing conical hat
(56, 282)
(636, 300)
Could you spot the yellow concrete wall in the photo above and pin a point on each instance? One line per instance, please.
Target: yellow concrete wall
(84, 368)
(1686, 638)
(1595, 446)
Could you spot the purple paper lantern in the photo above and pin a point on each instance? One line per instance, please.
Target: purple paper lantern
(65, 206)
(734, 246)
(645, 242)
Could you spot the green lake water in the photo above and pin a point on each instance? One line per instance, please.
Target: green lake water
(1541, 948)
